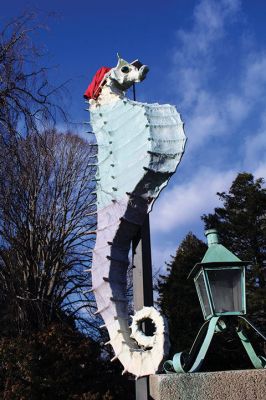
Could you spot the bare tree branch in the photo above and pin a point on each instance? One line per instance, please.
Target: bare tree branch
(46, 198)
(26, 97)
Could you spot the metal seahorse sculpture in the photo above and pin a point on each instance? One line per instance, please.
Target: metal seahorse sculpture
(139, 148)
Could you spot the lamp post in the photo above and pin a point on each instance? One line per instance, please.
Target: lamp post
(220, 283)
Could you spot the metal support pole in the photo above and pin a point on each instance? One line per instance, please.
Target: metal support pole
(143, 290)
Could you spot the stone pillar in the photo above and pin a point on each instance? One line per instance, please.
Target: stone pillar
(223, 385)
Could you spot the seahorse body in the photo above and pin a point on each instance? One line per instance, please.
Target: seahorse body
(139, 148)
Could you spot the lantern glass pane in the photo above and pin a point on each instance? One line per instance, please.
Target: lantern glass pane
(202, 293)
(226, 290)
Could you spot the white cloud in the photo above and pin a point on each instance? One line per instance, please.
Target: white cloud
(194, 52)
(185, 203)
(236, 107)
(182, 205)
(254, 78)
(220, 96)
(212, 109)
(260, 171)
(209, 20)
(193, 68)
(254, 150)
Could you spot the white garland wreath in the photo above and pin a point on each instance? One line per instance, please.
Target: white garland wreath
(158, 321)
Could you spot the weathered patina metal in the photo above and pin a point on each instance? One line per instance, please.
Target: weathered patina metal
(223, 303)
(220, 280)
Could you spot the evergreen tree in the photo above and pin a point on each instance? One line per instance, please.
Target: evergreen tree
(241, 223)
(177, 295)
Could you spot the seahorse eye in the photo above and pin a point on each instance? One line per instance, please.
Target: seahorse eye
(125, 69)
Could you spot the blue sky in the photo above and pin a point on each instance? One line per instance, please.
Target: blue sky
(207, 57)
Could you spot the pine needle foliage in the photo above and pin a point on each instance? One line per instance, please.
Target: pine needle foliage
(241, 223)
(177, 295)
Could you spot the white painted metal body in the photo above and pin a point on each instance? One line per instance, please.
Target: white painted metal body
(139, 148)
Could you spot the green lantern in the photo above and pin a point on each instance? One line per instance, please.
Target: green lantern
(220, 283)
(220, 280)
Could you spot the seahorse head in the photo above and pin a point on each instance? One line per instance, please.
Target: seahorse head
(125, 74)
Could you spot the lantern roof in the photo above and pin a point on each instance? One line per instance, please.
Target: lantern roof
(216, 254)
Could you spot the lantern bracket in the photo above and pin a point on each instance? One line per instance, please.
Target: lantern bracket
(191, 362)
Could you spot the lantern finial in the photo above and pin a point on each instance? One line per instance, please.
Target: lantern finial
(212, 236)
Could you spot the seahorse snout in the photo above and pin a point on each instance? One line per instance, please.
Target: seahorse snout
(143, 72)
